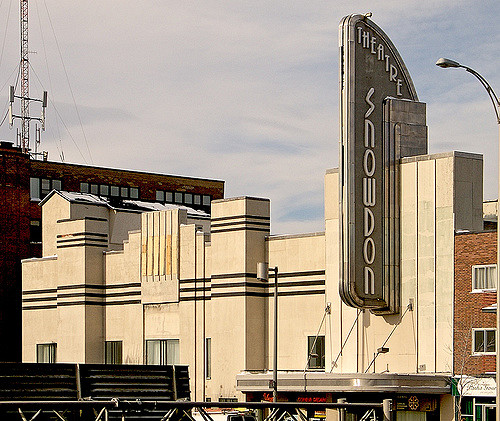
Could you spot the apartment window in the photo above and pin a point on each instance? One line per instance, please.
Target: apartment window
(104, 190)
(115, 191)
(208, 358)
(94, 188)
(124, 192)
(113, 352)
(162, 351)
(483, 341)
(484, 277)
(206, 200)
(160, 196)
(46, 353)
(41, 187)
(197, 199)
(316, 347)
(169, 197)
(178, 197)
(84, 187)
(134, 193)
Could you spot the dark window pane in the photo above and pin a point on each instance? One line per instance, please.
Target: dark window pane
(124, 192)
(478, 341)
(94, 189)
(115, 191)
(188, 198)
(206, 200)
(169, 197)
(134, 193)
(34, 188)
(178, 197)
(35, 231)
(197, 199)
(114, 352)
(57, 185)
(490, 341)
(316, 347)
(84, 187)
(160, 196)
(46, 353)
(45, 187)
(104, 190)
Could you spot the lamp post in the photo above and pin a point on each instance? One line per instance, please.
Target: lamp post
(446, 63)
(263, 275)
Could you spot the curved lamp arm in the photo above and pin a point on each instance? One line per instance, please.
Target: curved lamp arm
(445, 63)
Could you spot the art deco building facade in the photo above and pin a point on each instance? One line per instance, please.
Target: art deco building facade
(24, 182)
(178, 286)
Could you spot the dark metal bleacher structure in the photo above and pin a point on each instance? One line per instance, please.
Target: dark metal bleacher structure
(83, 391)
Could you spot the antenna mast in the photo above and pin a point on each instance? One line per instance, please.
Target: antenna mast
(24, 136)
(25, 82)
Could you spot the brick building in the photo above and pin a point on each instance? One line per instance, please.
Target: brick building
(25, 182)
(475, 323)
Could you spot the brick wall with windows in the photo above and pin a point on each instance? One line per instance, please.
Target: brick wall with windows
(475, 257)
(25, 182)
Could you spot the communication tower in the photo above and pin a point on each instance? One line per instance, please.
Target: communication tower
(23, 138)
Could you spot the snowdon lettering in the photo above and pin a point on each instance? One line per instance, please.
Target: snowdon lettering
(368, 41)
(369, 194)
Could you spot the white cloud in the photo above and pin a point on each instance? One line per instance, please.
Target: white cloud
(244, 91)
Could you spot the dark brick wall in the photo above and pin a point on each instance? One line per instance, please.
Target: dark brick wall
(472, 249)
(14, 246)
(16, 212)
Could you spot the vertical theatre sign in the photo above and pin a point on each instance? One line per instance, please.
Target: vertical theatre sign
(371, 71)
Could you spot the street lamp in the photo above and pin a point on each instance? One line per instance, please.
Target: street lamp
(263, 275)
(446, 63)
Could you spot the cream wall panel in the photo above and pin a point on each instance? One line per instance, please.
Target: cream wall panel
(445, 240)
(54, 209)
(426, 299)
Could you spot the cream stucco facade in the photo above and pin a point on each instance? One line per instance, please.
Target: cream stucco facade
(116, 275)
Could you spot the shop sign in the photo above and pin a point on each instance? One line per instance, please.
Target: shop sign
(475, 386)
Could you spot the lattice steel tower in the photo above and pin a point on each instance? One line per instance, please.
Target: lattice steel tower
(24, 136)
(25, 82)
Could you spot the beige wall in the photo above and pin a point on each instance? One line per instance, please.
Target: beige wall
(439, 193)
(169, 280)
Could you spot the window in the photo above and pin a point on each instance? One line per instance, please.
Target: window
(41, 187)
(484, 277)
(46, 353)
(115, 191)
(206, 200)
(160, 196)
(188, 198)
(162, 351)
(316, 347)
(134, 193)
(169, 197)
(197, 199)
(35, 231)
(124, 191)
(94, 188)
(178, 197)
(104, 190)
(113, 351)
(84, 187)
(483, 341)
(208, 358)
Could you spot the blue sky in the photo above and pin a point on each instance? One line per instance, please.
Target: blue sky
(241, 91)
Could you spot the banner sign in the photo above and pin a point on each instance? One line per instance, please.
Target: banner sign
(371, 71)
